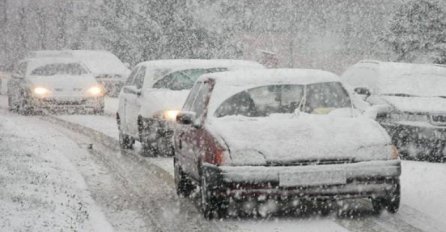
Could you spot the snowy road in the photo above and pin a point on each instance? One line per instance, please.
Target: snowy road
(133, 193)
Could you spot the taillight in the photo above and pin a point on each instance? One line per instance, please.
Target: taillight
(218, 157)
(395, 153)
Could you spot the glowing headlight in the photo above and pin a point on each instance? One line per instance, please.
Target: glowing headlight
(95, 91)
(41, 91)
(170, 115)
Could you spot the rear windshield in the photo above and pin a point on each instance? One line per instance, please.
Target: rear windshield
(262, 101)
(184, 79)
(73, 69)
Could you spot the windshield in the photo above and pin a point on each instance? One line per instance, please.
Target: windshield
(410, 85)
(73, 69)
(184, 79)
(285, 99)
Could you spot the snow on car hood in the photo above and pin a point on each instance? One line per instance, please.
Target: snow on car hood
(64, 85)
(157, 100)
(306, 137)
(417, 104)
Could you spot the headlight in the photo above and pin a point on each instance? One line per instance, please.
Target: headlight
(170, 115)
(95, 91)
(41, 91)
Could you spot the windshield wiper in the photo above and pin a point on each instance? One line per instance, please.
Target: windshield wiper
(400, 95)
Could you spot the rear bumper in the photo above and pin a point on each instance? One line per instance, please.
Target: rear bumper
(363, 179)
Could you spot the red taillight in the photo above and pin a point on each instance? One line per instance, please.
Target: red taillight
(218, 157)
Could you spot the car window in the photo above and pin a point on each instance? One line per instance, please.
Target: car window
(59, 69)
(183, 79)
(321, 98)
(263, 101)
(192, 95)
(132, 76)
(199, 105)
(139, 78)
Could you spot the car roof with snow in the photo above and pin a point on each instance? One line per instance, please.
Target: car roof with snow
(97, 61)
(272, 76)
(395, 69)
(181, 64)
(230, 83)
(40, 61)
(158, 69)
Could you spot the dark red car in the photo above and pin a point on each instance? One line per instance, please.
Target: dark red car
(283, 135)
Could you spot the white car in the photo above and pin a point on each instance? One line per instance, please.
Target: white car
(153, 94)
(105, 66)
(54, 84)
(411, 103)
(280, 135)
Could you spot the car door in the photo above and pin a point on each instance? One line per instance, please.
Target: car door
(123, 100)
(133, 102)
(183, 140)
(193, 142)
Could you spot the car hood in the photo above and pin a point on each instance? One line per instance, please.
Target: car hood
(64, 85)
(301, 138)
(417, 104)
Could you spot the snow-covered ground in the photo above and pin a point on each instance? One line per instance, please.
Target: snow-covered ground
(41, 189)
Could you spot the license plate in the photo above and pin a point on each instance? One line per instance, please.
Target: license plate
(312, 178)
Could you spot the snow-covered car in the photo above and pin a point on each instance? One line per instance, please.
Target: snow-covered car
(410, 102)
(285, 135)
(105, 66)
(154, 92)
(54, 84)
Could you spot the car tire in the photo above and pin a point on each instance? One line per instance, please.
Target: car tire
(11, 106)
(184, 185)
(212, 206)
(25, 108)
(391, 202)
(125, 141)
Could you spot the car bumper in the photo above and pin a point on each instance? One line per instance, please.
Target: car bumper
(363, 179)
(79, 103)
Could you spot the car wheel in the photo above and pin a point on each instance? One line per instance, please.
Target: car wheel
(391, 202)
(183, 184)
(212, 206)
(11, 106)
(125, 141)
(25, 108)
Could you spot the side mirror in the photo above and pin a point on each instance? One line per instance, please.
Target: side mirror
(185, 118)
(363, 91)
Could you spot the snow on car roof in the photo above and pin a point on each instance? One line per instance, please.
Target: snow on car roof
(157, 69)
(272, 76)
(98, 61)
(180, 64)
(40, 61)
(232, 82)
(101, 62)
